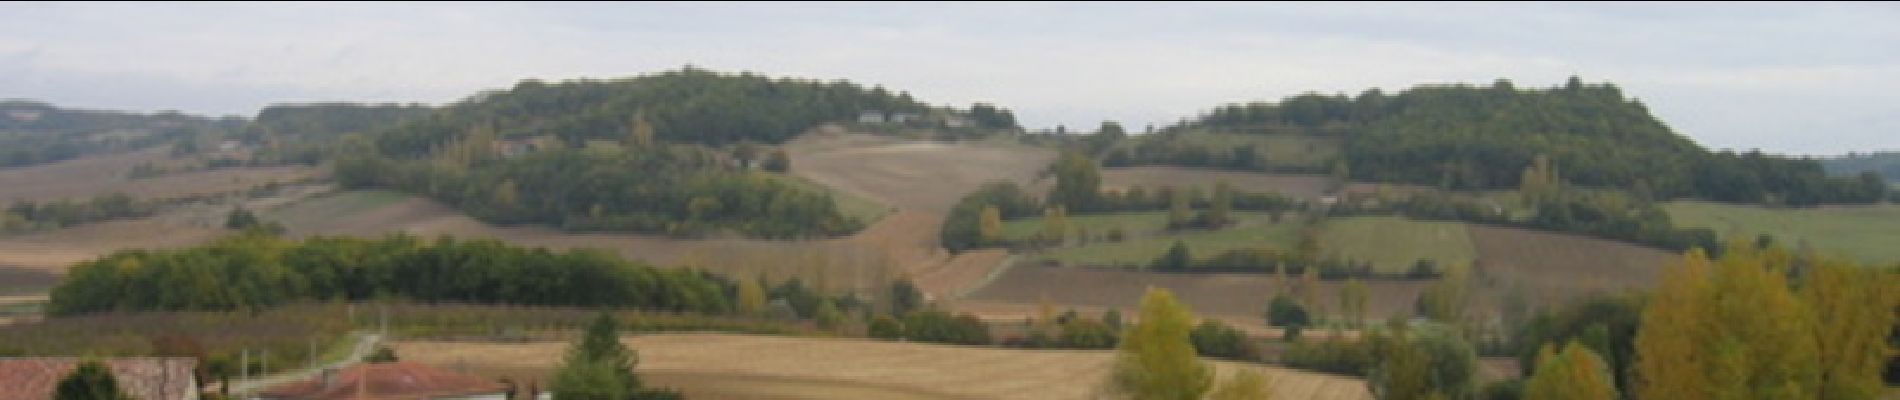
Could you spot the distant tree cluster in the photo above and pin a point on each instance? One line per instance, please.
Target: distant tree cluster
(963, 227)
(249, 272)
(677, 191)
(307, 133)
(1473, 137)
(53, 134)
(31, 216)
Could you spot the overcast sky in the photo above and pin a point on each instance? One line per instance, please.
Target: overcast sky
(1792, 78)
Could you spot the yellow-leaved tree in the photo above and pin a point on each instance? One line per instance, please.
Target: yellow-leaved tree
(1855, 309)
(1576, 373)
(1156, 360)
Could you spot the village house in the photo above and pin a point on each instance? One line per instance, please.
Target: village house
(389, 381)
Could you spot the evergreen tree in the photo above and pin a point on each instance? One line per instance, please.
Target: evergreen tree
(1156, 360)
(598, 367)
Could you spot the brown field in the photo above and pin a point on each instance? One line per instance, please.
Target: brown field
(100, 175)
(911, 175)
(1299, 186)
(1240, 299)
(729, 366)
(54, 250)
(15, 280)
(1555, 266)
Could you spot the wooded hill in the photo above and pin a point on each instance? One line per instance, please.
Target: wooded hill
(34, 132)
(673, 152)
(1475, 137)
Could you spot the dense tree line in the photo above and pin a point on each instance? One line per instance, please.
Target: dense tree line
(35, 133)
(686, 106)
(249, 272)
(1472, 137)
(1885, 163)
(32, 216)
(308, 133)
(676, 190)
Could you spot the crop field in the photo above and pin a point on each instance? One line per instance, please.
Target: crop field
(1393, 244)
(100, 175)
(1554, 266)
(1144, 245)
(1233, 297)
(1870, 233)
(730, 366)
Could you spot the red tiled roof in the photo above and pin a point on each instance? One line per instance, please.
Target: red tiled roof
(146, 378)
(386, 381)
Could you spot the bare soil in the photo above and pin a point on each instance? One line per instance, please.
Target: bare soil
(769, 367)
(1553, 267)
(100, 175)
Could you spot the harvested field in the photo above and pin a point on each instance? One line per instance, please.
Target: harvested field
(100, 175)
(1298, 186)
(911, 175)
(1233, 297)
(53, 251)
(771, 367)
(1555, 266)
(15, 281)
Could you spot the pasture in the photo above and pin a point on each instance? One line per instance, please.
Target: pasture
(1866, 233)
(1393, 244)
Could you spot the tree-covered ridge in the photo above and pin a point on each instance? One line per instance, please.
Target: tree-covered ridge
(688, 106)
(1886, 163)
(33, 132)
(1475, 137)
(628, 154)
(251, 272)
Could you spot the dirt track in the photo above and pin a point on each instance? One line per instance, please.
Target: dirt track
(770, 367)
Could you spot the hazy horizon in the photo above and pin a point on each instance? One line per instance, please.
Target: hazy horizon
(1806, 79)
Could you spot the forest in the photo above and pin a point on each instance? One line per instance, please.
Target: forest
(672, 153)
(1474, 137)
(254, 271)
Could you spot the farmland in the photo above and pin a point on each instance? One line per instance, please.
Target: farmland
(1393, 244)
(706, 365)
(1863, 233)
(1237, 297)
(1554, 266)
(94, 176)
(1148, 239)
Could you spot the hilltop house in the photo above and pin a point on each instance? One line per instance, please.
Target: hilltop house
(389, 381)
(143, 378)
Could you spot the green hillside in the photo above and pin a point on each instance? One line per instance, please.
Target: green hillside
(1866, 233)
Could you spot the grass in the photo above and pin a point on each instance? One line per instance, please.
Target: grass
(1148, 238)
(865, 210)
(329, 207)
(1393, 244)
(1864, 233)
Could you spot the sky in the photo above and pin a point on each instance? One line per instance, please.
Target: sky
(1791, 78)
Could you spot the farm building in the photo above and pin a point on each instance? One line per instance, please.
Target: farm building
(394, 380)
(144, 378)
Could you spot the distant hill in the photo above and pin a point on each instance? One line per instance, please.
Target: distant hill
(33, 132)
(1886, 163)
(1484, 137)
(674, 152)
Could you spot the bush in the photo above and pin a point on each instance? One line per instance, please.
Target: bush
(1285, 311)
(1333, 355)
(887, 328)
(1086, 334)
(1213, 338)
